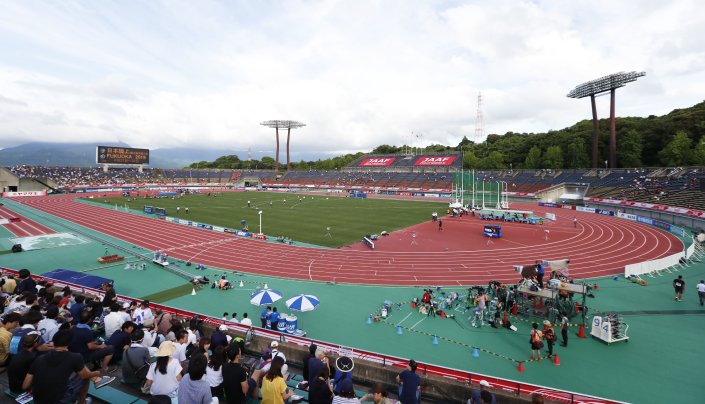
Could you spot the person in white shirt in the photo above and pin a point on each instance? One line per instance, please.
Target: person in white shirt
(246, 320)
(113, 321)
(701, 291)
(49, 326)
(234, 319)
(142, 313)
(180, 347)
(164, 374)
(125, 311)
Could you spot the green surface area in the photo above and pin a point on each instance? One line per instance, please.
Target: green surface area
(300, 217)
(662, 362)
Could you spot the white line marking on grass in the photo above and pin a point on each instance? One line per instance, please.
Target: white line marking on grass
(418, 322)
(404, 319)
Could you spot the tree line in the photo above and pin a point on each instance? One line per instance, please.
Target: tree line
(672, 140)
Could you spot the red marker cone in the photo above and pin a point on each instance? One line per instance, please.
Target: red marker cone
(595, 287)
(541, 303)
(556, 361)
(514, 309)
(521, 367)
(581, 331)
(577, 307)
(505, 318)
(534, 300)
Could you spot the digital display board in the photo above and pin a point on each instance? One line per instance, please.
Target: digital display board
(121, 155)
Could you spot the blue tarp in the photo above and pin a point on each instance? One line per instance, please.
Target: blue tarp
(77, 278)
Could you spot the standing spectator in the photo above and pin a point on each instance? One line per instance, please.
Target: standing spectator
(20, 364)
(701, 291)
(277, 353)
(84, 343)
(27, 284)
(246, 320)
(235, 377)
(536, 343)
(164, 375)
(218, 337)
(49, 326)
(274, 390)
(316, 363)
(311, 354)
(679, 285)
(550, 335)
(134, 358)
(9, 322)
(476, 395)
(214, 372)
(539, 273)
(193, 388)
(50, 374)
(265, 315)
(564, 329)
(180, 346)
(410, 384)
(110, 296)
(344, 366)
(320, 388)
(273, 319)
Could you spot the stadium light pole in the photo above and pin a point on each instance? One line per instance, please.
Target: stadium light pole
(260, 221)
(283, 124)
(598, 86)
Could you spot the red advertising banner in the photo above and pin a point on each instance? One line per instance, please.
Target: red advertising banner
(435, 161)
(377, 162)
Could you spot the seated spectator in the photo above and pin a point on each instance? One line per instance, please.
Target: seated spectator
(85, 343)
(28, 323)
(10, 285)
(77, 307)
(134, 359)
(49, 326)
(113, 321)
(204, 345)
(320, 387)
(274, 389)
(164, 374)
(378, 395)
(142, 313)
(235, 380)
(246, 320)
(27, 284)
(162, 322)
(193, 388)
(50, 378)
(120, 340)
(151, 340)
(214, 372)
(20, 364)
(346, 394)
(9, 323)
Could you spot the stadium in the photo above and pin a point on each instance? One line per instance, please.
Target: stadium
(367, 243)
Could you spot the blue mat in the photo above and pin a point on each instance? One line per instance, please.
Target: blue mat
(77, 278)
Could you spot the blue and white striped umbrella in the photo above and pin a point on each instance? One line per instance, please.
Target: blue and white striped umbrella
(265, 297)
(303, 303)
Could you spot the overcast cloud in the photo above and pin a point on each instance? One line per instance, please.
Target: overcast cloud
(359, 73)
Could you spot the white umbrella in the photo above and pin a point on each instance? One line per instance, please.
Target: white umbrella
(265, 297)
(303, 302)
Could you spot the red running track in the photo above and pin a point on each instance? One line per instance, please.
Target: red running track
(600, 246)
(23, 228)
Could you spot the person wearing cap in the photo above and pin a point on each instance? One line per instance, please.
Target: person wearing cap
(346, 393)
(344, 366)
(378, 395)
(550, 336)
(164, 375)
(20, 363)
(218, 337)
(476, 395)
(50, 376)
(134, 358)
(410, 384)
(276, 352)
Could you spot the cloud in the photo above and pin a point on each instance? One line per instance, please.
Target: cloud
(359, 74)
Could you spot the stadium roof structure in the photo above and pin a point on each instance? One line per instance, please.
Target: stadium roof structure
(598, 86)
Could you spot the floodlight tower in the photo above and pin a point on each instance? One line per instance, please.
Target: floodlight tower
(283, 124)
(598, 86)
(479, 120)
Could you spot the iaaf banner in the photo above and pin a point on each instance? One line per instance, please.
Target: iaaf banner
(435, 161)
(627, 216)
(377, 162)
(26, 193)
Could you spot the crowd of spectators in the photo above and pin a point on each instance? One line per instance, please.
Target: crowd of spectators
(67, 177)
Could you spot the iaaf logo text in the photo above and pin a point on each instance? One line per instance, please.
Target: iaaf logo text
(373, 161)
(435, 159)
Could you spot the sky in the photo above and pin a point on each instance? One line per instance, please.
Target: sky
(358, 73)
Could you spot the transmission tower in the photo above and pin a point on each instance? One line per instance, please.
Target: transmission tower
(479, 120)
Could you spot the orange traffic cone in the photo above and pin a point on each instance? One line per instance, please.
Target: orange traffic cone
(581, 331)
(505, 318)
(514, 309)
(541, 303)
(577, 307)
(521, 367)
(413, 305)
(556, 361)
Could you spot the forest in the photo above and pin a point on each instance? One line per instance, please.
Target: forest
(672, 140)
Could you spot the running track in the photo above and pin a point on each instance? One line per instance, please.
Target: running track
(23, 228)
(603, 247)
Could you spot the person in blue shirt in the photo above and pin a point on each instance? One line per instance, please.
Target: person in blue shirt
(77, 308)
(273, 319)
(539, 273)
(265, 316)
(410, 384)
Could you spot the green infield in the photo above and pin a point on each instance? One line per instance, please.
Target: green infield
(330, 221)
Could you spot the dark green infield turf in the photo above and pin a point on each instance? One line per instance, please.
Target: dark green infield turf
(303, 218)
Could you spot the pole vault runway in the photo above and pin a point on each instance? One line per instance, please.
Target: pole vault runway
(456, 256)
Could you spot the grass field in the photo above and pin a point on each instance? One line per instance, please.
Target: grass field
(302, 218)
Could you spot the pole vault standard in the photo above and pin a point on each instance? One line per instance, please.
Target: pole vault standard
(598, 86)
